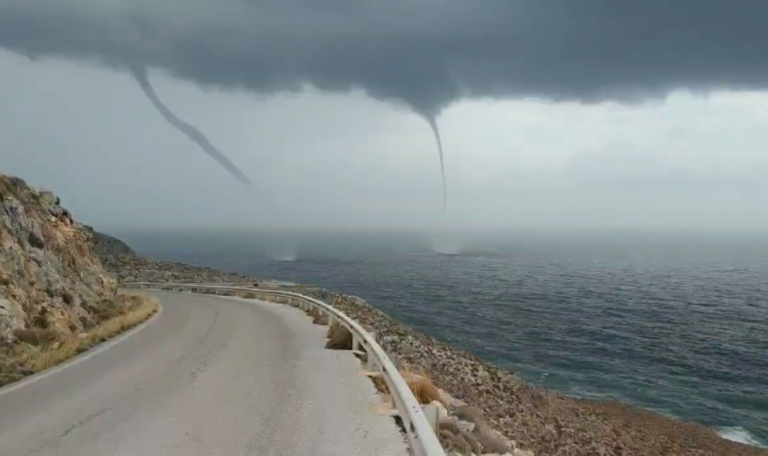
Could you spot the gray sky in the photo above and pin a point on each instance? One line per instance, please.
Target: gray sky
(552, 116)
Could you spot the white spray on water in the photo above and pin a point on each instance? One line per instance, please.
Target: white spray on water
(739, 434)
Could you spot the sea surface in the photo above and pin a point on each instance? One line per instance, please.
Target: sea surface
(674, 322)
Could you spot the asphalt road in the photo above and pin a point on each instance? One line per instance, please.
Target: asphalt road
(207, 376)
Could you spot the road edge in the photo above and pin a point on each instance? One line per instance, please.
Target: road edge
(100, 348)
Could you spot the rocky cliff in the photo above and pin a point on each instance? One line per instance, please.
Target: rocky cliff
(107, 247)
(49, 278)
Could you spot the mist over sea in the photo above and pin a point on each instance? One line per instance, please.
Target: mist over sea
(674, 322)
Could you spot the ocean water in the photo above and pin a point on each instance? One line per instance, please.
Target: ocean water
(677, 323)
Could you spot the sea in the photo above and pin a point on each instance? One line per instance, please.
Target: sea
(676, 322)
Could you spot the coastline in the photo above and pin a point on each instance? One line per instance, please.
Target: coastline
(545, 421)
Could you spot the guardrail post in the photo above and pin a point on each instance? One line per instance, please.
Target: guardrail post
(370, 362)
(355, 343)
(432, 413)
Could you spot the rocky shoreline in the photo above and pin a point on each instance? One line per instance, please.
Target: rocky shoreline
(538, 421)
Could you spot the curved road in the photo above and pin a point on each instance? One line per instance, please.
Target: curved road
(208, 376)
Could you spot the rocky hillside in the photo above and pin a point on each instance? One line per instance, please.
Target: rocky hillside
(49, 278)
(107, 247)
(132, 269)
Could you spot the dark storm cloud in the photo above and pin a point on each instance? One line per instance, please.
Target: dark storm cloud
(423, 53)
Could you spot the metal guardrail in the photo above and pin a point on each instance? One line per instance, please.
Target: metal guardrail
(421, 434)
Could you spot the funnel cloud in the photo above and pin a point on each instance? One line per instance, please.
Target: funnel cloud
(140, 74)
(421, 54)
(436, 131)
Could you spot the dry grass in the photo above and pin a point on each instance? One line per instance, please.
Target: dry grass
(422, 387)
(381, 385)
(332, 329)
(339, 338)
(419, 383)
(481, 440)
(42, 349)
(321, 319)
(425, 391)
(312, 312)
(318, 316)
(37, 336)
